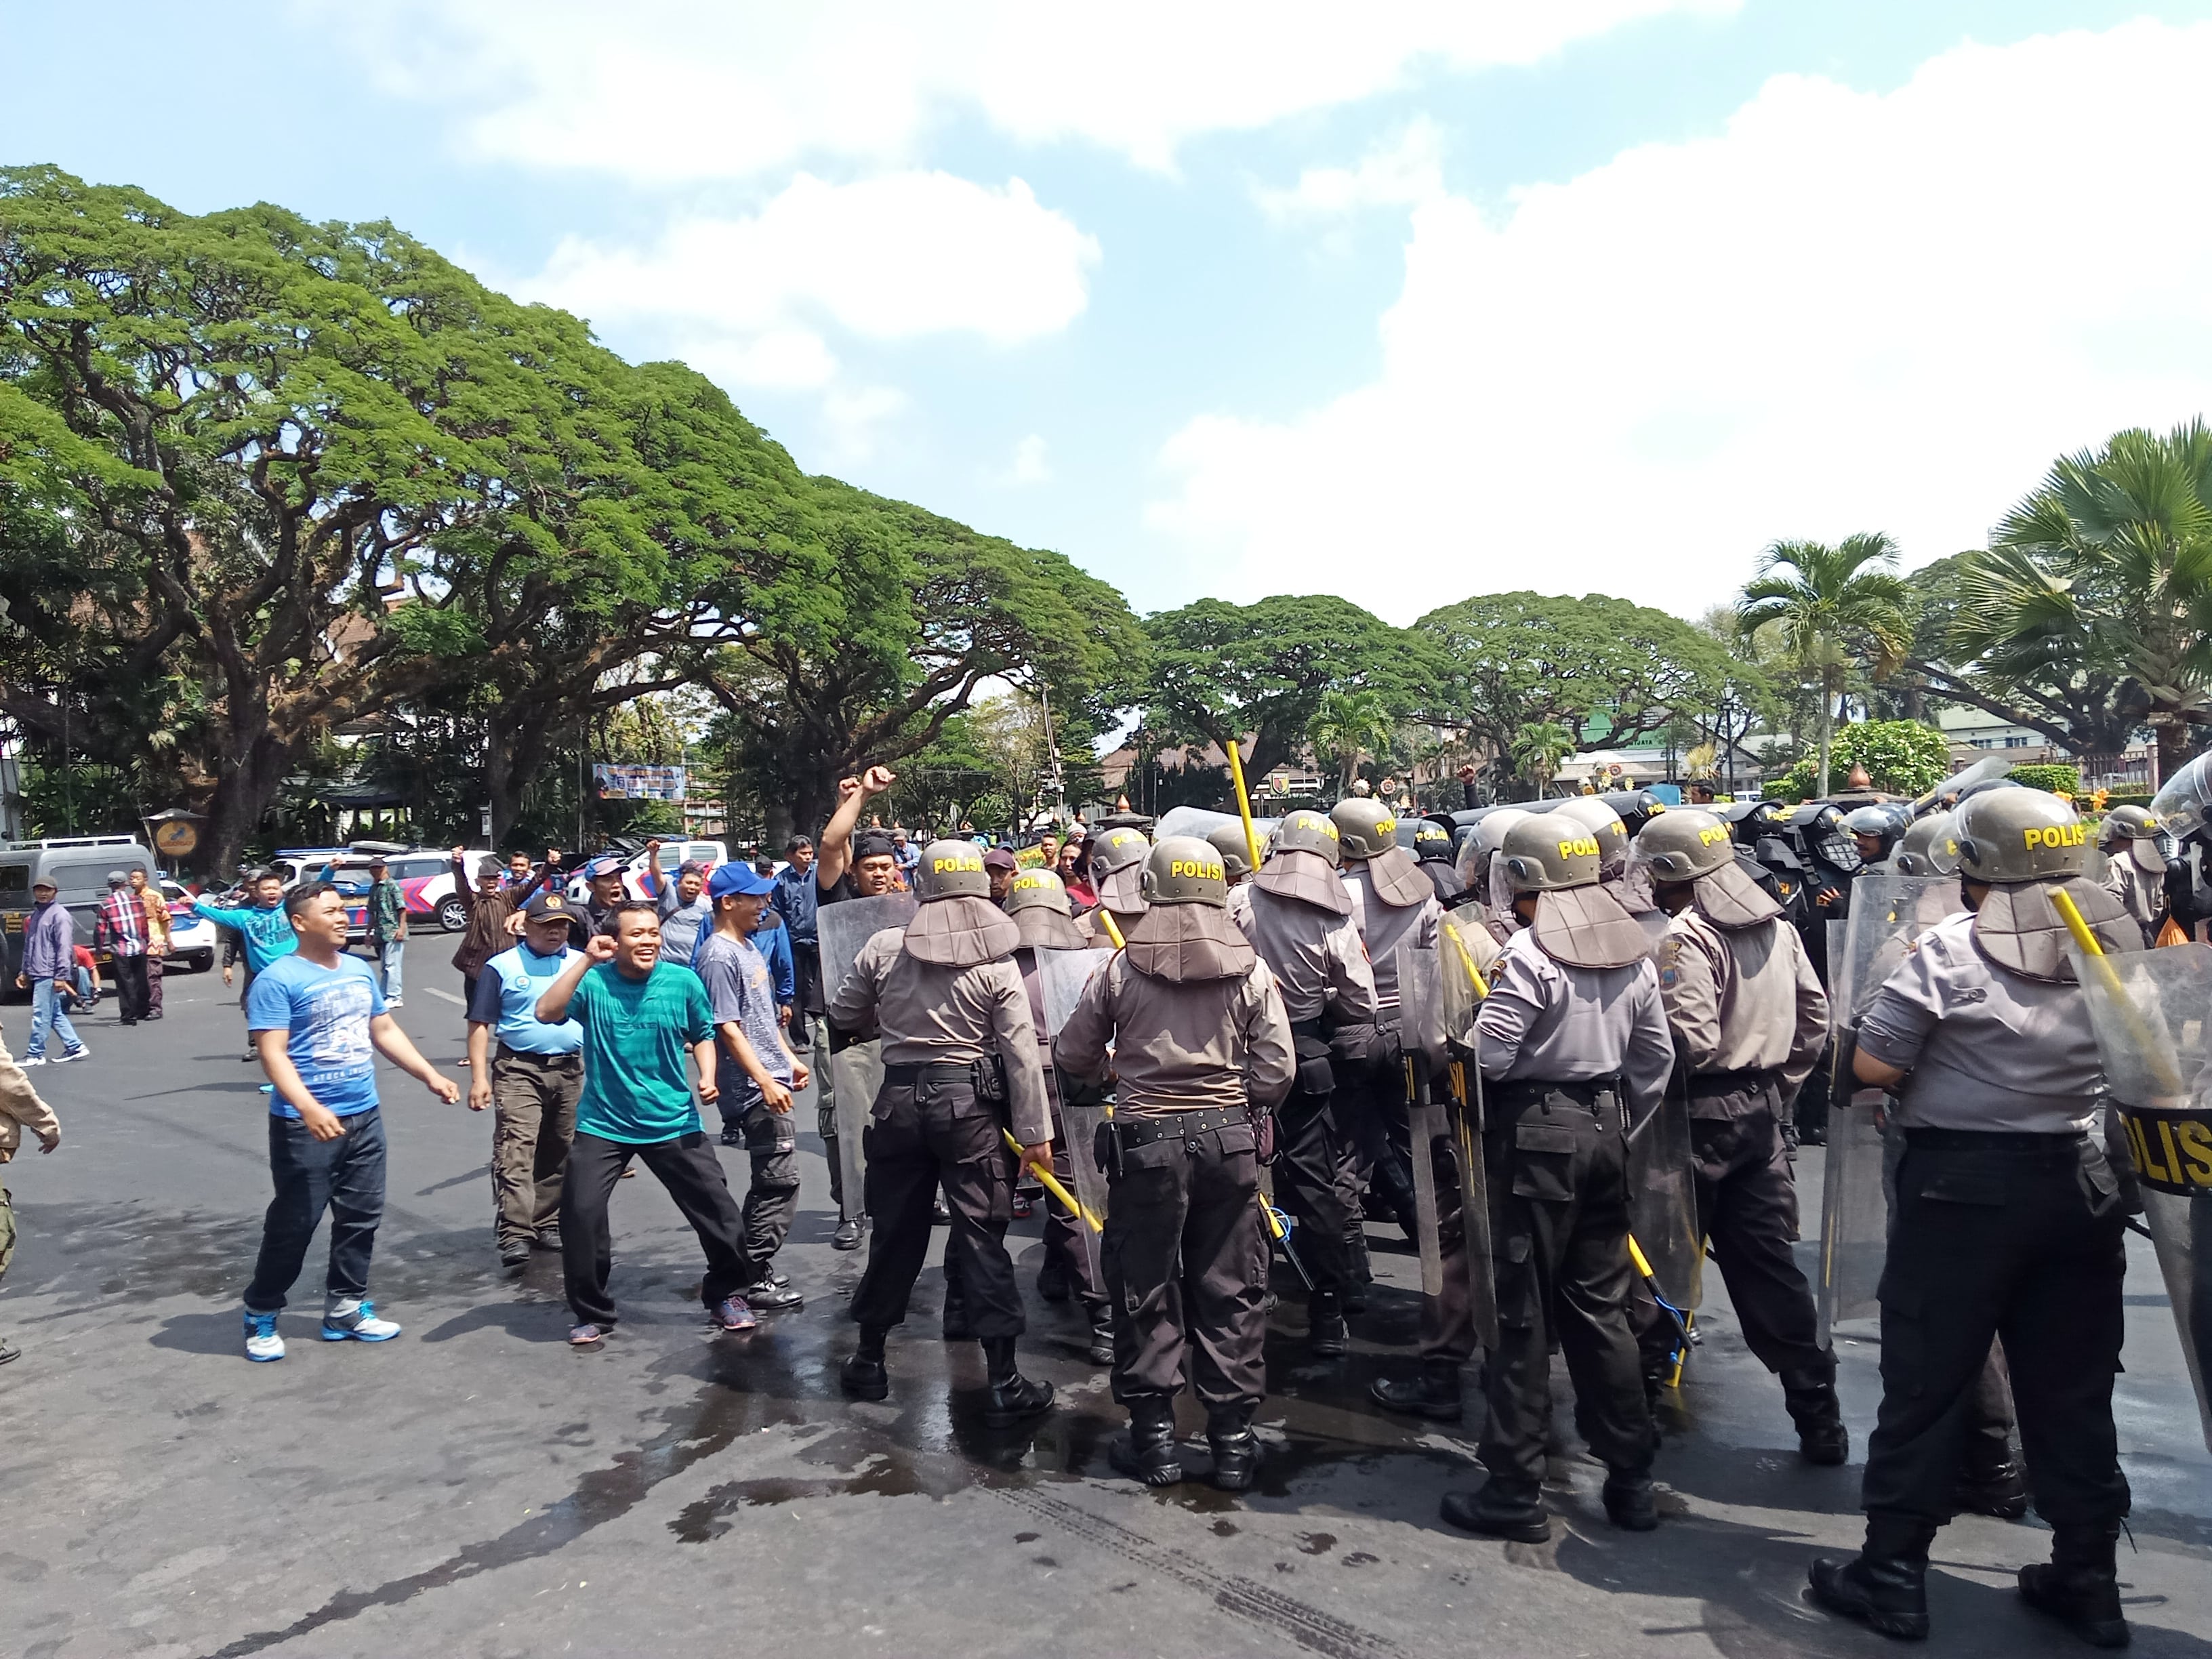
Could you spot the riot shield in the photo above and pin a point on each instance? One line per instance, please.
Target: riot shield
(856, 1070)
(1662, 1199)
(1061, 978)
(1463, 1112)
(2150, 1010)
(1422, 1057)
(1199, 821)
(1889, 911)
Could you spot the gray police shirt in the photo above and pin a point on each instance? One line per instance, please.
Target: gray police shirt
(1383, 928)
(1985, 1048)
(1314, 957)
(1545, 1021)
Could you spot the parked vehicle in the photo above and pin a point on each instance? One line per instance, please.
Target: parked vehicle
(674, 854)
(425, 876)
(192, 937)
(78, 867)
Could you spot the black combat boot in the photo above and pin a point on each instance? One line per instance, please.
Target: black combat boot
(1884, 1586)
(1501, 1508)
(1235, 1448)
(1013, 1396)
(1431, 1392)
(1100, 1351)
(1821, 1436)
(863, 1375)
(1052, 1278)
(1326, 1334)
(1147, 1451)
(2081, 1586)
(957, 1328)
(1629, 1502)
(1994, 1486)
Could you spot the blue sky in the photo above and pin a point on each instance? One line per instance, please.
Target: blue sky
(1595, 295)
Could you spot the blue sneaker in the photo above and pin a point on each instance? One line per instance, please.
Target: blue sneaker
(262, 1342)
(731, 1314)
(348, 1320)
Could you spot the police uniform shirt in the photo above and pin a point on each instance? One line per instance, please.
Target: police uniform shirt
(1984, 1048)
(933, 1016)
(1315, 957)
(1742, 999)
(1548, 1021)
(1383, 928)
(1181, 1046)
(2141, 895)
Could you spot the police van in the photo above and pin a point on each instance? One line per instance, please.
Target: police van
(78, 867)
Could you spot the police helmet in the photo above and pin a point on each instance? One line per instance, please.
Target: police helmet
(1367, 827)
(1038, 889)
(1118, 849)
(950, 869)
(1550, 854)
(1930, 848)
(1635, 807)
(1605, 827)
(1228, 841)
(2127, 823)
(1308, 831)
(1184, 870)
(1432, 840)
(1685, 845)
(2012, 835)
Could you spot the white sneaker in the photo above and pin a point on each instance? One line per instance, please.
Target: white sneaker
(74, 1054)
(351, 1321)
(395, 1002)
(262, 1342)
(32, 1059)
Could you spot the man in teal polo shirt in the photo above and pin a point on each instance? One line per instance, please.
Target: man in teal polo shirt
(639, 1015)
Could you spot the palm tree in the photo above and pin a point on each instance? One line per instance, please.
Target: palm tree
(1350, 725)
(1833, 606)
(1538, 747)
(2107, 566)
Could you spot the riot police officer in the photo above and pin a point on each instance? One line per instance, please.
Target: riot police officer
(1573, 1045)
(1748, 1020)
(958, 1050)
(1433, 846)
(1228, 840)
(1117, 871)
(1201, 1053)
(1298, 915)
(2008, 1223)
(1392, 903)
(2137, 874)
(1038, 903)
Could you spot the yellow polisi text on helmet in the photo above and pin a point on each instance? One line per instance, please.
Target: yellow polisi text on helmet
(1713, 836)
(1580, 846)
(2056, 835)
(1198, 868)
(1027, 879)
(1386, 826)
(945, 866)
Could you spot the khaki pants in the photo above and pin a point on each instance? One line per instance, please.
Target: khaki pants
(7, 1232)
(534, 1118)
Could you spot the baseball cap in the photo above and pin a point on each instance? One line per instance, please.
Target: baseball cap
(738, 879)
(1000, 858)
(690, 867)
(547, 907)
(872, 844)
(116, 879)
(607, 864)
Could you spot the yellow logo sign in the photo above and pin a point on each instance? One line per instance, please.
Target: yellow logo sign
(1195, 867)
(2057, 835)
(956, 863)
(1580, 846)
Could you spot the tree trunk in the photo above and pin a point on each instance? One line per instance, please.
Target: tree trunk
(2172, 733)
(244, 789)
(1827, 741)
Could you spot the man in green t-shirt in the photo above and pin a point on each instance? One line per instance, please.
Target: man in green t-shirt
(640, 1014)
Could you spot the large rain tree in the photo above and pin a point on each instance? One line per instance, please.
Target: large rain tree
(1837, 609)
(2101, 580)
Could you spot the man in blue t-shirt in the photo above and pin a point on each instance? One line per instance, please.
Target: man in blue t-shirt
(317, 1021)
(640, 1016)
(531, 1083)
(756, 1071)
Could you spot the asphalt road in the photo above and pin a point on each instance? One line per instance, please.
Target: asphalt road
(475, 1488)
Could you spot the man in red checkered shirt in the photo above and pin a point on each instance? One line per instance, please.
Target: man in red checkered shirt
(122, 928)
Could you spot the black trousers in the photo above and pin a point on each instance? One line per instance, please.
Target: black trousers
(1371, 1106)
(1558, 1162)
(1187, 1269)
(1062, 1232)
(1993, 1237)
(344, 1176)
(130, 988)
(1746, 1197)
(1309, 1157)
(805, 990)
(924, 1134)
(688, 1168)
(1446, 1331)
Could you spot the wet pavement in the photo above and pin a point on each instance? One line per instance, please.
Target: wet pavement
(477, 1488)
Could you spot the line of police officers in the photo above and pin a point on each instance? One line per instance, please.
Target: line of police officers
(1243, 1025)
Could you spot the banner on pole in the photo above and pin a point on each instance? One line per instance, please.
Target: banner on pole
(638, 782)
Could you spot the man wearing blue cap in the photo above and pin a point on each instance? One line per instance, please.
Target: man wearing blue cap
(755, 1071)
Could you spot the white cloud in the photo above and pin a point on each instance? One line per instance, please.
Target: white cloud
(854, 417)
(1406, 169)
(1846, 312)
(672, 93)
(1031, 463)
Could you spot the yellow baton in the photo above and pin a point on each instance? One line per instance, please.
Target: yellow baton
(1052, 1185)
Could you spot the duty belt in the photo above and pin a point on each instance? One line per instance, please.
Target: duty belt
(941, 1070)
(1134, 1132)
(2065, 1145)
(1527, 1090)
(567, 1060)
(1710, 1085)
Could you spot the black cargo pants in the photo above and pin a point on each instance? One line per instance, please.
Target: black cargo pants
(1309, 1157)
(928, 1130)
(1993, 1237)
(1558, 1159)
(1186, 1258)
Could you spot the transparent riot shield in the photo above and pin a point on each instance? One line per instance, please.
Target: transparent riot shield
(1662, 1199)
(1061, 978)
(856, 1069)
(1199, 821)
(1456, 1090)
(2150, 1010)
(1423, 1056)
(1889, 911)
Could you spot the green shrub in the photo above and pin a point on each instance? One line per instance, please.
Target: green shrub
(1902, 757)
(2059, 779)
